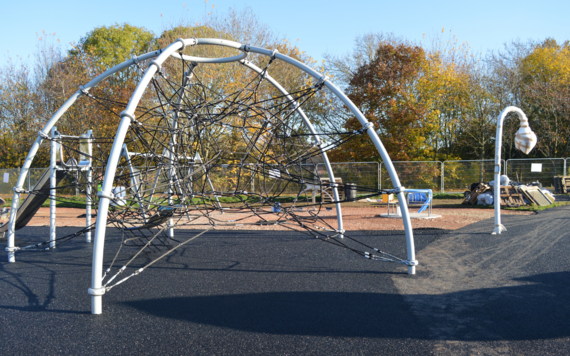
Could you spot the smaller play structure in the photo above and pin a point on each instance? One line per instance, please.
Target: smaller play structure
(419, 197)
(47, 185)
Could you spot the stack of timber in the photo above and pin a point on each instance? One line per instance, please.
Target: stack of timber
(535, 195)
(481, 188)
(562, 184)
(327, 195)
(510, 196)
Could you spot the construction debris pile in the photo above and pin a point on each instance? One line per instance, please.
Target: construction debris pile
(513, 194)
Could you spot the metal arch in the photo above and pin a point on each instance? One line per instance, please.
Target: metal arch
(96, 291)
(212, 42)
(373, 136)
(45, 132)
(311, 128)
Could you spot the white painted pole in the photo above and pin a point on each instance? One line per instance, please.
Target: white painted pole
(89, 200)
(398, 189)
(53, 186)
(97, 291)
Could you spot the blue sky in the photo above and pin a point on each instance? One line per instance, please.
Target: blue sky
(321, 26)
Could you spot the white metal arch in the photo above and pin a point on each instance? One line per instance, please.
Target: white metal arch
(45, 132)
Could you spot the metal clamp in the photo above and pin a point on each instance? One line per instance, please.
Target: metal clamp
(44, 135)
(127, 114)
(108, 195)
(19, 190)
(183, 43)
(135, 59)
(272, 57)
(12, 249)
(398, 190)
(83, 90)
(498, 168)
(154, 63)
(367, 125)
(96, 291)
(411, 263)
(322, 81)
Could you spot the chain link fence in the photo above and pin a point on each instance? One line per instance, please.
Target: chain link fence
(459, 175)
(521, 170)
(415, 174)
(448, 176)
(364, 174)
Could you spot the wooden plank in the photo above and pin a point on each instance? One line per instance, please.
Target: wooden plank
(537, 195)
(326, 188)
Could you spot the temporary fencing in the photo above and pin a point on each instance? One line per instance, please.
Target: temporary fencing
(448, 176)
(458, 175)
(545, 169)
(414, 174)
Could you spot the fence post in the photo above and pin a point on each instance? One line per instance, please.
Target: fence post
(379, 175)
(442, 177)
(564, 173)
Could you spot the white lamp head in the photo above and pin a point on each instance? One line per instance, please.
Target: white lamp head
(525, 139)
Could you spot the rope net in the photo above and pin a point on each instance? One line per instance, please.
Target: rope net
(215, 146)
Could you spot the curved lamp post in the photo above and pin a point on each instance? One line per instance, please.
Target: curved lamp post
(525, 140)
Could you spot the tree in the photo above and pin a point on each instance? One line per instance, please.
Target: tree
(385, 91)
(546, 89)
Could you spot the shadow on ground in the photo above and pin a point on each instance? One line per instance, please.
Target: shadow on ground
(534, 311)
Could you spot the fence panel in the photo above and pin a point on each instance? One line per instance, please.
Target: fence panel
(459, 175)
(520, 170)
(364, 174)
(451, 176)
(266, 180)
(414, 174)
(6, 188)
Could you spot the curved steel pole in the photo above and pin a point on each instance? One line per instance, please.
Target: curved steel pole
(398, 189)
(96, 291)
(45, 132)
(524, 130)
(315, 136)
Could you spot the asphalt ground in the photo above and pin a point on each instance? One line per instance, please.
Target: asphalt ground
(284, 293)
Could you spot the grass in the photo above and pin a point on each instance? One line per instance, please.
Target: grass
(444, 200)
(62, 202)
(448, 196)
(540, 208)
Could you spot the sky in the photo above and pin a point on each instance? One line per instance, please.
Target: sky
(320, 26)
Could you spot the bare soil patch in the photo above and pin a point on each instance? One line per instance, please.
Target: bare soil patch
(362, 218)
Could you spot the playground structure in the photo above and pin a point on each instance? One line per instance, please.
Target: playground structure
(174, 132)
(47, 184)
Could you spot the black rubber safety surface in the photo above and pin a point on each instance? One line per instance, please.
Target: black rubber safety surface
(283, 293)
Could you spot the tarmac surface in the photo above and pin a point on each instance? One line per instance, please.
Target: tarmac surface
(284, 293)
